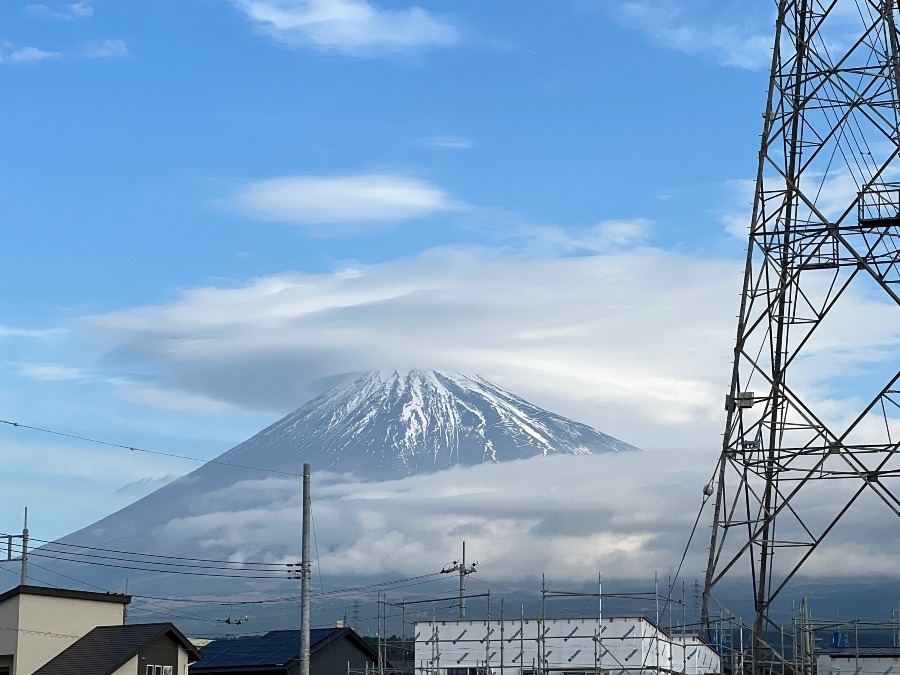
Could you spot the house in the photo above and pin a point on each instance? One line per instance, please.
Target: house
(39, 623)
(137, 649)
(332, 651)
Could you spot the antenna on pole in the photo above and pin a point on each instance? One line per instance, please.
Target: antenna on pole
(24, 579)
(460, 566)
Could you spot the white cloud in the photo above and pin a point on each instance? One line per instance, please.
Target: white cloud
(70, 12)
(733, 33)
(626, 514)
(604, 237)
(736, 216)
(37, 333)
(167, 399)
(636, 342)
(106, 49)
(51, 372)
(446, 143)
(348, 199)
(633, 342)
(354, 27)
(12, 54)
(138, 488)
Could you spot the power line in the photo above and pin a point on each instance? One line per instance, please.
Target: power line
(146, 555)
(235, 575)
(274, 567)
(144, 450)
(289, 598)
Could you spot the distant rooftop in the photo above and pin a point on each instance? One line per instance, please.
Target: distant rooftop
(65, 593)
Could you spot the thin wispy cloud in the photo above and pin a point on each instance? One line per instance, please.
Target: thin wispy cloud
(39, 333)
(732, 33)
(607, 236)
(105, 49)
(446, 143)
(139, 488)
(67, 12)
(51, 372)
(352, 27)
(337, 200)
(12, 54)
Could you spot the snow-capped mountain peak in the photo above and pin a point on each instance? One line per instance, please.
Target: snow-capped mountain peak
(396, 423)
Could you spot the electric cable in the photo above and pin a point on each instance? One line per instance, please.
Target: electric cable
(144, 450)
(146, 555)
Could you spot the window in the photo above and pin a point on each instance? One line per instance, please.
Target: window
(167, 670)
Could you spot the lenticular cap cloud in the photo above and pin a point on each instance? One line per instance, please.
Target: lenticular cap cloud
(313, 200)
(353, 27)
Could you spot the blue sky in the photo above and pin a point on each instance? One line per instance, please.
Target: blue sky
(211, 209)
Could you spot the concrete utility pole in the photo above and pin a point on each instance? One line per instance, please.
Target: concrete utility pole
(24, 579)
(457, 566)
(305, 569)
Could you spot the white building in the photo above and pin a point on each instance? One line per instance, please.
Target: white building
(571, 646)
(858, 661)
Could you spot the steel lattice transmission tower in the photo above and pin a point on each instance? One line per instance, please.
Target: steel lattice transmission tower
(813, 412)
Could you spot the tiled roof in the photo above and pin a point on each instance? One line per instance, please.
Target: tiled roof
(106, 648)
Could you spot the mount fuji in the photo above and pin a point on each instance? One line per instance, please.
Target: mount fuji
(390, 424)
(374, 428)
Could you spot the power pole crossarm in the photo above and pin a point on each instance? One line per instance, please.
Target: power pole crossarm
(464, 571)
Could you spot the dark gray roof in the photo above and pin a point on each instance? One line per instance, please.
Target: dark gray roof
(65, 593)
(275, 648)
(106, 648)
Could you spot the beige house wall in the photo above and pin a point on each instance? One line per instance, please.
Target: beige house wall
(9, 622)
(129, 668)
(58, 623)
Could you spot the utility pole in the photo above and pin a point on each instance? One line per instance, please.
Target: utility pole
(305, 569)
(460, 566)
(24, 579)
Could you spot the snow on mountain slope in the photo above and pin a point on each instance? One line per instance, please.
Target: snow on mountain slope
(389, 424)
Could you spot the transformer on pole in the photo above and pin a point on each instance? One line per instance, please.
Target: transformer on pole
(813, 424)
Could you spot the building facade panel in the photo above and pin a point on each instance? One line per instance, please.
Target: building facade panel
(571, 646)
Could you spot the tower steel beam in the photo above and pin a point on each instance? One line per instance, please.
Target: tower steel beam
(813, 411)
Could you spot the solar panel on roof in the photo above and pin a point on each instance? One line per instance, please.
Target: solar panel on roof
(273, 648)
